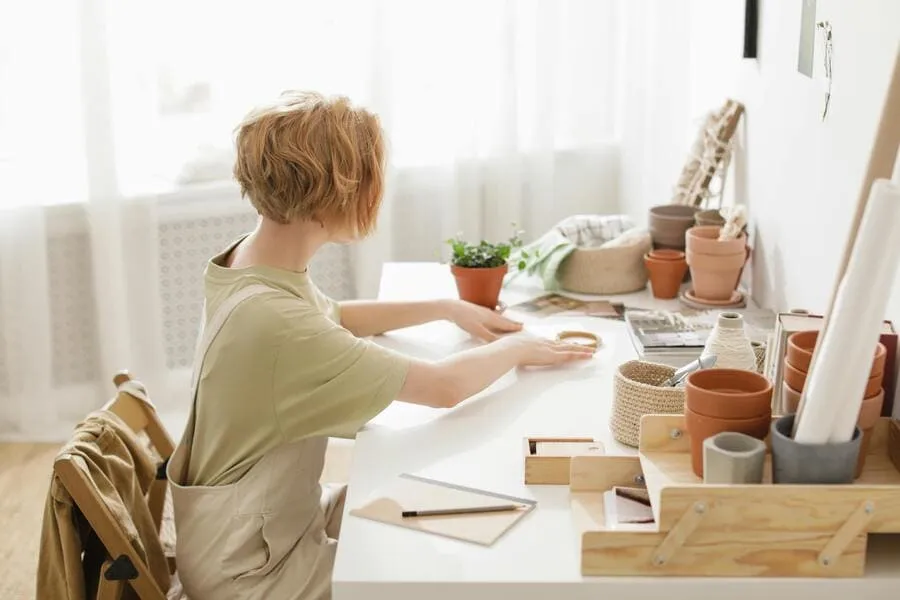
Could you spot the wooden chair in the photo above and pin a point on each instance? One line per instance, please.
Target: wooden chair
(121, 565)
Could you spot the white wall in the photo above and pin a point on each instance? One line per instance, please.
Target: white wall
(798, 176)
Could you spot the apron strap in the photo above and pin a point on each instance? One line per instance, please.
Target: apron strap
(208, 334)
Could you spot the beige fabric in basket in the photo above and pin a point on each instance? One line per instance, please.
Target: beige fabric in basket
(636, 393)
(612, 269)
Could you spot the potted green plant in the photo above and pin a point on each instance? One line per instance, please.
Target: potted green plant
(479, 268)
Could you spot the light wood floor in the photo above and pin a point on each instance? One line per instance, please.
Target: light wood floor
(24, 479)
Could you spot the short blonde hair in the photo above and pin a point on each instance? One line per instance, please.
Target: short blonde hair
(311, 157)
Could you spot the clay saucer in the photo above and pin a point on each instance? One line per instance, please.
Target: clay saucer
(736, 300)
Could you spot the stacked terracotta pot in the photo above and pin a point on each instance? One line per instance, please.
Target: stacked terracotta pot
(715, 264)
(666, 269)
(800, 348)
(718, 400)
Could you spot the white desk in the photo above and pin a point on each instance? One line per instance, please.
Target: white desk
(479, 444)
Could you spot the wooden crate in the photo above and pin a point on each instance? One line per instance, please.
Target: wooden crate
(547, 460)
(734, 530)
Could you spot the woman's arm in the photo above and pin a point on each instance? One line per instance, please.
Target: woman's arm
(448, 382)
(367, 317)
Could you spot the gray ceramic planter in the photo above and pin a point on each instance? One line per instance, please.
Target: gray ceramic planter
(668, 223)
(793, 462)
(732, 457)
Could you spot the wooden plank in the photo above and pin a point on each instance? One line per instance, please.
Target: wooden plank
(601, 473)
(849, 531)
(793, 509)
(713, 552)
(679, 534)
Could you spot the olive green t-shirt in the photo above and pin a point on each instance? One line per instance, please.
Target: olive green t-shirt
(281, 369)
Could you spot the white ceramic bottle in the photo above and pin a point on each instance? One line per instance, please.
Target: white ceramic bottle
(729, 343)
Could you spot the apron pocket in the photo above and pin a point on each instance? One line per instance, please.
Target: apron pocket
(246, 551)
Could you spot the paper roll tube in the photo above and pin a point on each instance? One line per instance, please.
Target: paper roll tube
(833, 388)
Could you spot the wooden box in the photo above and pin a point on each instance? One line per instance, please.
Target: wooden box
(547, 460)
(761, 530)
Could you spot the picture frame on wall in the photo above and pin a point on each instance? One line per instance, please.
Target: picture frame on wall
(806, 48)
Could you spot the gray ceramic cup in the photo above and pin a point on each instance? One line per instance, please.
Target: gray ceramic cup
(793, 462)
(732, 457)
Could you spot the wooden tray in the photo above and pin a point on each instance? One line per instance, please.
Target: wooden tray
(548, 460)
(734, 530)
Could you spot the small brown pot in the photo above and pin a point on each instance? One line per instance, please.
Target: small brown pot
(479, 286)
(869, 413)
(728, 393)
(667, 254)
(704, 239)
(793, 376)
(800, 347)
(790, 399)
(665, 275)
(715, 277)
(667, 224)
(700, 427)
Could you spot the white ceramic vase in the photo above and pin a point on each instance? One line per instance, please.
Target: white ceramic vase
(730, 344)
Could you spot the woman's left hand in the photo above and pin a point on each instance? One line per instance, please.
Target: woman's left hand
(480, 322)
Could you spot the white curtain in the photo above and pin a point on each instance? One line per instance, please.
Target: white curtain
(113, 112)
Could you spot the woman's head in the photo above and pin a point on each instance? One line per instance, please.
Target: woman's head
(311, 158)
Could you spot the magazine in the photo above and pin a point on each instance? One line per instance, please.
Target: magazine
(559, 305)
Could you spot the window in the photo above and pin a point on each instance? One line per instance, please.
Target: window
(146, 95)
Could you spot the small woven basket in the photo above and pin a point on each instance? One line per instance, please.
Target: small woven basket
(613, 270)
(637, 393)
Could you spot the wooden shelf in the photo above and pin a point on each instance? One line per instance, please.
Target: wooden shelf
(739, 530)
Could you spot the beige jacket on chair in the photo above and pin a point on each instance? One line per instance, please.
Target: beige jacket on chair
(119, 466)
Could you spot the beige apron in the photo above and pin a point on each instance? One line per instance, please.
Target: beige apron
(271, 534)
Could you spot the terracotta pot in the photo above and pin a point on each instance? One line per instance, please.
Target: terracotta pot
(667, 254)
(800, 347)
(874, 385)
(879, 360)
(700, 427)
(704, 239)
(870, 411)
(665, 276)
(793, 376)
(667, 224)
(790, 399)
(715, 277)
(479, 286)
(709, 217)
(728, 393)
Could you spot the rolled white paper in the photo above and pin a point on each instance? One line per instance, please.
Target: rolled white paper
(834, 389)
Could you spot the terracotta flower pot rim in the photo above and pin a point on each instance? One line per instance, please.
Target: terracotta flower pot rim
(704, 377)
(711, 233)
(665, 254)
(728, 393)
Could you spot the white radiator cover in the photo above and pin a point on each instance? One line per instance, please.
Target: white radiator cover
(189, 234)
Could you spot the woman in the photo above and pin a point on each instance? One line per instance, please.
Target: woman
(281, 367)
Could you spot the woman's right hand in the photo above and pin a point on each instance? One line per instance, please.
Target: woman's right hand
(541, 352)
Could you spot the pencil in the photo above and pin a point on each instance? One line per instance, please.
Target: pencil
(459, 511)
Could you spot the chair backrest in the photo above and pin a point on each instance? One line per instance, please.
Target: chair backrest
(122, 565)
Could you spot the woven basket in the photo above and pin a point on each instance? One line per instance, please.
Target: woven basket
(636, 393)
(615, 270)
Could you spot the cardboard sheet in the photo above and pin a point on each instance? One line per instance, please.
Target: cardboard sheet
(411, 492)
